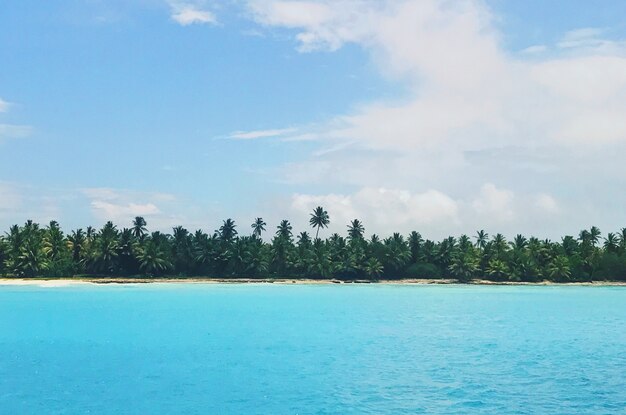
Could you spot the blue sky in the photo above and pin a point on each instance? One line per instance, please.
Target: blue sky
(445, 116)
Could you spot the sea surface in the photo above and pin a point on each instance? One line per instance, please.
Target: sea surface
(312, 349)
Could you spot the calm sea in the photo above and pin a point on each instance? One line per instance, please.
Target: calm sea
(269, 349)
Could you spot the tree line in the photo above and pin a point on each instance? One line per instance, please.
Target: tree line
(35, 251)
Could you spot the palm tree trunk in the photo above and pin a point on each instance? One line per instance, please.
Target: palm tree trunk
(318, 232)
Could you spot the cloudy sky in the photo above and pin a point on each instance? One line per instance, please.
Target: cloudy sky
(439, 116)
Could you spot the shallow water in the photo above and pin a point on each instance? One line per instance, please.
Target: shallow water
(321, 349)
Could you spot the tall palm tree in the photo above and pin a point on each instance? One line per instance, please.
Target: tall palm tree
(622, 239)
(481, 239)
(594, 235)
(500, 245)
(611, 243)
(519, 243)
(284, 230)
(227, 230)
(139, 227)
(415, 245)
(319, 219)
(76, 244)
(356, 230)
(569, 245)
(103, 257)
(53, 241)
(258, 226)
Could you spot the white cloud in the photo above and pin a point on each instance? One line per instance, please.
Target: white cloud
(383, 210)
(547, 204)
(121, 206)
(187, 13)
(14, 131)
(583, 37)
(535, 49)
(251, 135)
(115, 212)
(19, 203)
(472, 111)
(494, 204)
(10, 198)
(468, 93)
(4, 106)
(162, 211)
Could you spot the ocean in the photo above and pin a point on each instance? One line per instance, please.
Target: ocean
(312, 349)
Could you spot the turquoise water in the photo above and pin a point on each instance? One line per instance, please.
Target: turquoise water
(269, 349)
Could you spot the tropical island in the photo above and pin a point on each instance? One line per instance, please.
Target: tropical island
(127, 254)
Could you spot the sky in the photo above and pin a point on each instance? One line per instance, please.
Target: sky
(443, 117)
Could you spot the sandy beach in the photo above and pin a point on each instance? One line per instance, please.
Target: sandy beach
(65, 282)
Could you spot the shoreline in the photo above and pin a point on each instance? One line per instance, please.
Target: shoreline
(64, 282)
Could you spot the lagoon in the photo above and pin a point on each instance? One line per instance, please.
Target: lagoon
(312, 349)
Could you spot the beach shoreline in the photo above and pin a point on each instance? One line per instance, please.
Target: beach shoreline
(64, 282)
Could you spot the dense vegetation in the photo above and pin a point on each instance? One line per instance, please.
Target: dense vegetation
(31, 251)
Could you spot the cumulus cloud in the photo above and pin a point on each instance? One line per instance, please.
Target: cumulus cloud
(114, 205)
(187, 13)
(546, 203)
(468, 92)
(162, 211)
(121, 206)
(472, 110)
(433, 213)
(494, 203)
(382, 209)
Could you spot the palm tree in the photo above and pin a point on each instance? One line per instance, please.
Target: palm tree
(446, 251)
(182, 249)
(319, 219)
(53, 241)
(519, 243)
(139, 227)
(356, 230)
(76, 244)
(500, 245)
(463, 268)
(481, 239)
(415, 246)
(594, 235)
(622, 239)
(152, 257)
(373, 268)
(498, 269)
(397, 253)
(227, 230)
(284, 230)
(104, 254)
(31, 260)
(559, 269)
(258, 226)
(611, 243)
(465, 244)
(569, 245)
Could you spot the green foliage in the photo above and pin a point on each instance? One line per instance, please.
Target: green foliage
(31, 251)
